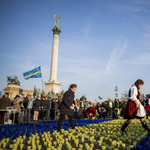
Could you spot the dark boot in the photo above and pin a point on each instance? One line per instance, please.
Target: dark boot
(124, 127)
(144, 124)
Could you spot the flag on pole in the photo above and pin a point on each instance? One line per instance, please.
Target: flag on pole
(34, 73)
(2, 92)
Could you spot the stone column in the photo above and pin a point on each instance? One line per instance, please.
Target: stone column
(53, 84)
(54, 57)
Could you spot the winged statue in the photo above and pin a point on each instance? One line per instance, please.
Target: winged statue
(57, 20)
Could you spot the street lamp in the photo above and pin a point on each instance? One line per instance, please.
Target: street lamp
(116, 90)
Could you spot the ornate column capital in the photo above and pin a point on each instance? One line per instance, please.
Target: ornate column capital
(56, 30)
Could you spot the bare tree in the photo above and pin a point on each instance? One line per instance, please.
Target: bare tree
(124, 96)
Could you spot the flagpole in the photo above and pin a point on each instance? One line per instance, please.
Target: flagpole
(42, 81)
(42, 84)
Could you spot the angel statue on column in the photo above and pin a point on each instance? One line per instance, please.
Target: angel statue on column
(57, 20)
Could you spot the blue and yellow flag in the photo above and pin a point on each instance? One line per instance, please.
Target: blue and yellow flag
(35, 73)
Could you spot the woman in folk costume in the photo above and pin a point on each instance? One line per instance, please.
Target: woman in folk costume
(134, 108)
(147, 107)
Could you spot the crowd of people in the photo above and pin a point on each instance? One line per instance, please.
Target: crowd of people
(49, 109)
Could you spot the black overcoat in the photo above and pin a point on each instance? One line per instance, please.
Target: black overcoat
(37, 104)
(5, 102)
(68, 100)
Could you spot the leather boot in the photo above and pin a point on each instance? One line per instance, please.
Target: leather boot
(144, 124)
(124, 127)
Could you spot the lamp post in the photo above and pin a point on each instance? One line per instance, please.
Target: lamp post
(116, 90)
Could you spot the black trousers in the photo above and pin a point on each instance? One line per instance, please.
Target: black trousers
(43, 114)
(62, 117)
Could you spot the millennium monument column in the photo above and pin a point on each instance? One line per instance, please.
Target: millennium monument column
(53, 84)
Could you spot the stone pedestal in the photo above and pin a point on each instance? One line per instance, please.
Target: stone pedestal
(49, 86)
(53, 84)
(12, 89)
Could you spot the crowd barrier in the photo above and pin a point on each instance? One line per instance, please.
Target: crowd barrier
(14, 111)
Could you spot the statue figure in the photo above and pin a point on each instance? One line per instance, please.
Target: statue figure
(49, 94)
(9, 79)
(16, 81)
(57, 20)
(13, 80)
(62, 93)
(43, 94)
(36, 93)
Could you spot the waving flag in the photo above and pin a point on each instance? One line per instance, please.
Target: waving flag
(100, 97)
(1, 93)
(35, 73)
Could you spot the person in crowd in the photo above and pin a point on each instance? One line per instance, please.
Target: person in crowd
(91, 112)
(55, 110)
(80, 113)
(115, 104)
(110, 107)
(117, 113)
(134, 108)
(59, 102)
(101, 112)
(43, 107)
(36, 108)
(66, 106)
(4, 102)
(21, 115)
(76, 109)
(118, 103)
(98, 105)
(123, 106)
(25, 104)
(78, 103)
(16, 105)
(49, 106)
(147, 107)
(85, 105)
(81, 103)
(106, 107)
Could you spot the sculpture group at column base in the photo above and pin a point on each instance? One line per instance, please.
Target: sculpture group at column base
(52, 85)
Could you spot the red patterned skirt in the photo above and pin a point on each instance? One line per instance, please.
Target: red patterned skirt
(147, 108)
(130, 110)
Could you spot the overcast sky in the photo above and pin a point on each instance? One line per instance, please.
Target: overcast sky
(103, 44)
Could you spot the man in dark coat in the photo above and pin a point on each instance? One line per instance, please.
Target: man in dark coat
(27, 112)
(49, 106)
(4, 102)
(55, 109)
(43, 107)
(36, 107)
(66, 106)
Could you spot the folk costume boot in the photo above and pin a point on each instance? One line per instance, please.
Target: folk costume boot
(124, 127)
(144, 124)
